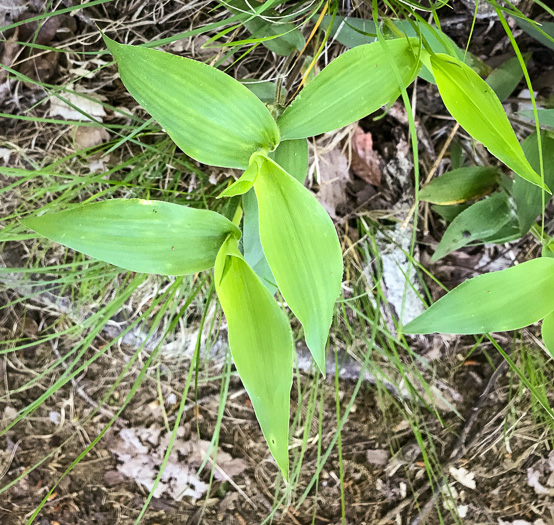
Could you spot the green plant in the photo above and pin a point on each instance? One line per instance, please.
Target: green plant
(288, 240)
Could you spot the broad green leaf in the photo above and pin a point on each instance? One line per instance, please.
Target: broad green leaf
(495, 302)
(303, 251)
(351, 87)
(352, 32)
(349, 31)
(437, 41)
(528, 197)
(457, 155)
(139, 235)
(287, 37)
(547, 330)
(546, 116)
(212, 117)
(460, 185)
(548, 250)
(473, 103)
(504, 79)
(261, 343)
(480, 220)
(292, 156)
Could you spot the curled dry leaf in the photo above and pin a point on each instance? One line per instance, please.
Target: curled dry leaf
(89, 106)
(87, 137)
(365, 160)
(463, 476)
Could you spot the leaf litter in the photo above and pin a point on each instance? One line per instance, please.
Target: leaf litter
(141, 451)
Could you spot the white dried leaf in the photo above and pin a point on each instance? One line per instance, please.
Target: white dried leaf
(141, 452)
(521, 522)
(98, 165)
(377, 457)
(533, 476)
(10, 413)
(90, 108)
(463, 476)
(5, 155)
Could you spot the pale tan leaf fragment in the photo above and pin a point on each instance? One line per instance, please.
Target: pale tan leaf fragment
(88, 137)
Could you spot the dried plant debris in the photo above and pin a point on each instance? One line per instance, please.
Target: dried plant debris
(77, 104)
(366, 162)
(398, 278)
(332, 168)
(540, 477)
(141, 452)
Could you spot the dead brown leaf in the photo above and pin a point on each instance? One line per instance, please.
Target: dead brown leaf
(40, 68)
(365, 160)
(11, 48)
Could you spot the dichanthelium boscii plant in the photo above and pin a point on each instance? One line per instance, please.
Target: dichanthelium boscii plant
(288, 241)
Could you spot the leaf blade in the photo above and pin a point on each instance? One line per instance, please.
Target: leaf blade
(225, 122)
(495, 302)
(138, 235)
(480, 220)
(473, 103)
(528, 197)
(292, 156)
(261, 343)
(301, 246)
(351, 87)
(460, 185)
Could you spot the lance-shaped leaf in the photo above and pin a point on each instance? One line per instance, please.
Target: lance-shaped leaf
(479, 221)
(495, 302)
(463, 184)
(352, 86)
(353, 32)
(261, 343)
(505, 78)
(473, 103)
(546, 116)
(303, 251)
(212, 117)
(139, 235)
